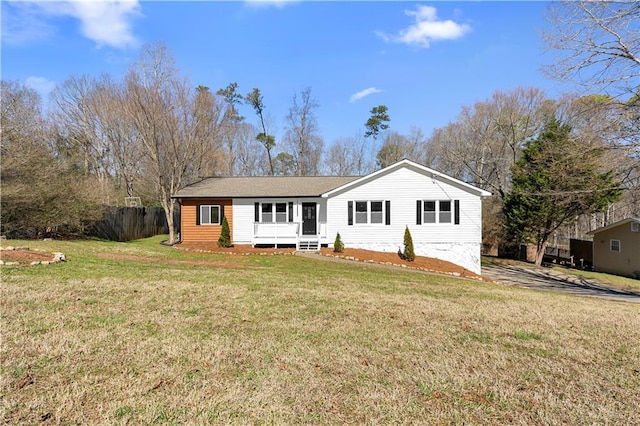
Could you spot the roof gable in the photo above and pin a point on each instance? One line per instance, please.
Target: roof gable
(415, 167)
(615, 225)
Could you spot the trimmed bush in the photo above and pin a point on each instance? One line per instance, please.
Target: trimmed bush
(338, 246)
(408, 254)
(225, 234)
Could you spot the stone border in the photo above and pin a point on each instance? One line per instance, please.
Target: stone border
(57, 257)
(398, 265)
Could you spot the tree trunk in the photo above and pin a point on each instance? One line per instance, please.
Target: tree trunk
(168, 206)
(540, 249)
(170, 224)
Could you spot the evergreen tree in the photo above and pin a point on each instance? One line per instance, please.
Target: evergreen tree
(225, 234)
(338, 246)
(408, 254)
(375, 124)
(557, 179)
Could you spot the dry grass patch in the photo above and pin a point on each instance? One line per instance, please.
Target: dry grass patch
(288, 340)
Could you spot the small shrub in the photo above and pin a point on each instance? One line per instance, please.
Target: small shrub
(225, 234)
(338, 246)
(408, 254)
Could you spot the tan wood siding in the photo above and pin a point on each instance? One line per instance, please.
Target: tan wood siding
(190, 231)
(624, 262)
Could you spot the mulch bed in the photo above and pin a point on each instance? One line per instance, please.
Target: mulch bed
(420, 263)
(24, 256)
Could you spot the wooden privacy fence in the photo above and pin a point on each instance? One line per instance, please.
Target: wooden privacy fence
(579, 255)
(132, 223)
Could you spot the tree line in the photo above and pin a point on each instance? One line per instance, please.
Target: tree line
(151, 133)
(147, 135)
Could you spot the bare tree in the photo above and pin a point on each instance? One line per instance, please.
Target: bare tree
(480, 146)
(302, 134)
(599, 43)
(599, 46)
(79, 121)
(596, 120)
(122, 138)
(232, 121)
(397, 147)
(176, 127)
(249, 160)
(347, 157)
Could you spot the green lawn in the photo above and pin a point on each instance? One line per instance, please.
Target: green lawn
(140, 333)
(609, 279)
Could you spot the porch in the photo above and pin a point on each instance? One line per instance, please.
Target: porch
(289, 234)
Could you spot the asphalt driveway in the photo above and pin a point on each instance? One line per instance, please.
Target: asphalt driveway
(541, 278)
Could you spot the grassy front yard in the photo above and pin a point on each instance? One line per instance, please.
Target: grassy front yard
(139, 333)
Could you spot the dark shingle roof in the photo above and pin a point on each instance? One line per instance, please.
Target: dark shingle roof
(264, 186)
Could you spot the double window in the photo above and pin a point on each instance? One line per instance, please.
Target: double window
(273, 212)
(369, 212)
(438, 211)
(209, 214)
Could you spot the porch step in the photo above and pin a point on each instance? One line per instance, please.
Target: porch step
(309, 245)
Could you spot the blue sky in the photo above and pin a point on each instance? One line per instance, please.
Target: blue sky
(424, 60)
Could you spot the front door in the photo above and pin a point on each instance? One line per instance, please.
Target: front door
(309, 222)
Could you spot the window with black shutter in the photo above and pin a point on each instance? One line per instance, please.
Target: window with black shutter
(456, 212)
(387, 212)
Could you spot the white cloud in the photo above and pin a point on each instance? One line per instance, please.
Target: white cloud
(107, 23)
(361, 94)
(426, 29)
(40, 85)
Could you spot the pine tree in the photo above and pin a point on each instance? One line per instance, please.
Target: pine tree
(408, 254)
(558, 178)
(338, 246)
(225, 234)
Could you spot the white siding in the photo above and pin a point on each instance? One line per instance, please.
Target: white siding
(243, 215)
(459, 244)
(243, 220)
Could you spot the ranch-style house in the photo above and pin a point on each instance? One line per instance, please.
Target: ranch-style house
(370, 212)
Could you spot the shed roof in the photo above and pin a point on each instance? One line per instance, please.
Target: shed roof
(615, 225)
(264, 186)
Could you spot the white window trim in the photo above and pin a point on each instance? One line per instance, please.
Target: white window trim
(211, 206)
(355, 212)
(286, 212)
(450, 211)
(382, 212)
(263, 212)
(437, 212)
(611, 245)
(368, 222)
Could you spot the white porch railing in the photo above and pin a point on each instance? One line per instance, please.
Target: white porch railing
(322, 229)
(276, 230)
(284, 232)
